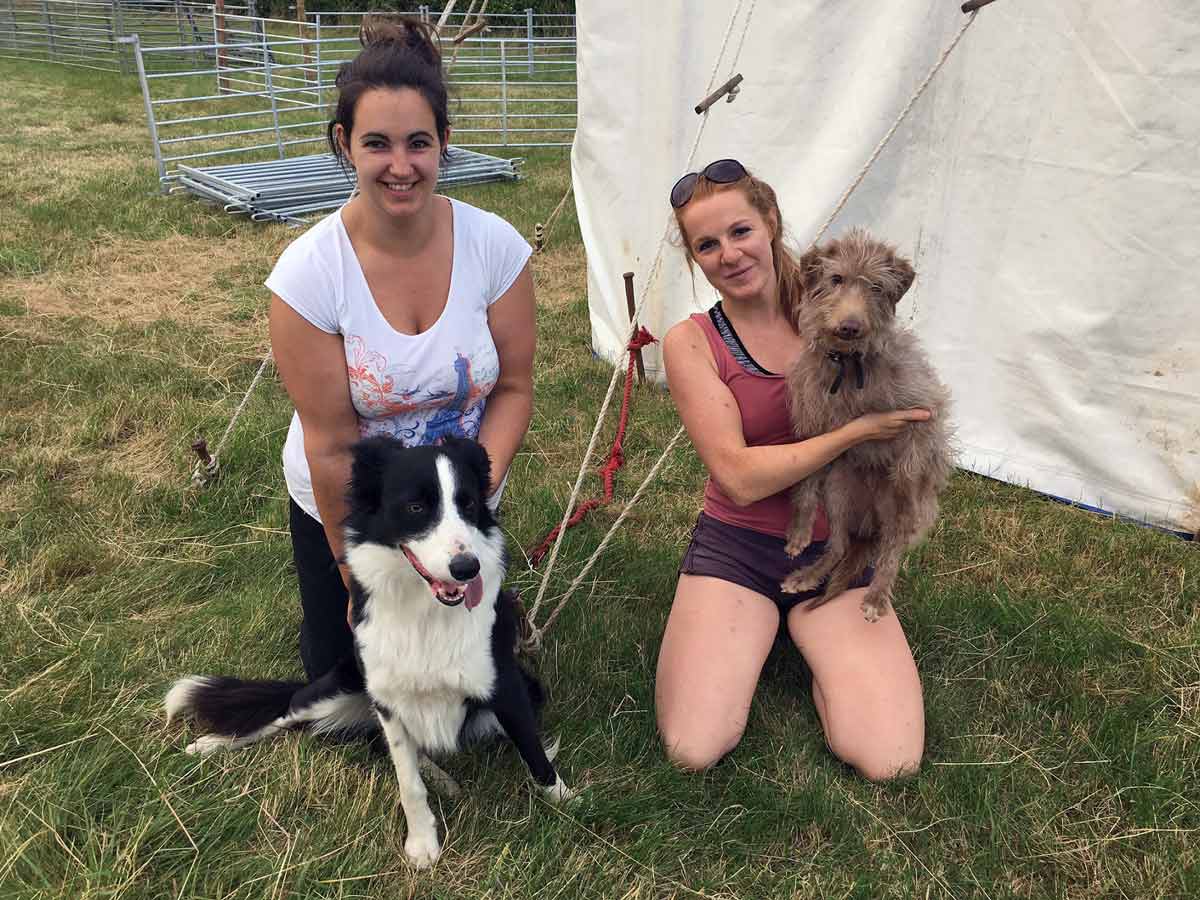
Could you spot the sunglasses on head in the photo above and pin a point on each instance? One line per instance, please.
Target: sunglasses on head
(723, 171)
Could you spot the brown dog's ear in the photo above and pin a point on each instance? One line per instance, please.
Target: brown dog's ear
(801, 282)
(905, 275)
(812, 267)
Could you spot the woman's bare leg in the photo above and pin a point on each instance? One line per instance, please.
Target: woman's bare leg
(716, 641)
(865, 685)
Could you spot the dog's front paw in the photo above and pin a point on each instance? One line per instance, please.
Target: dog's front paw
(874, 607)
(797, 541)
(422, 848)
(799, 581)
(559, 792)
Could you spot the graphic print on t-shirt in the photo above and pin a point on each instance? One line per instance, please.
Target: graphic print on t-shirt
(448, 404)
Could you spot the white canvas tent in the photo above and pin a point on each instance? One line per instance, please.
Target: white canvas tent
(1047, 186)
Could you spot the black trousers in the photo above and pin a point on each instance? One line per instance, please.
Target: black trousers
(325, 638)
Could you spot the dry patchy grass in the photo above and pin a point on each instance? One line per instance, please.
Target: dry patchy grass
(560, 275)
(138, 282)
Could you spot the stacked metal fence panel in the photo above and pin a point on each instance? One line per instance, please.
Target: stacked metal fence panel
(223, 88)
(264, 90)
(293, 190)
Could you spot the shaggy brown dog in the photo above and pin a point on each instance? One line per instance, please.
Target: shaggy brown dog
(881, 496)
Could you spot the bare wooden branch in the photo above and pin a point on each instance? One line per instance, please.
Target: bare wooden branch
(477, 26)
(445, 17)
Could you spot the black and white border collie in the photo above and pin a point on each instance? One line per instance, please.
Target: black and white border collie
(434, 635)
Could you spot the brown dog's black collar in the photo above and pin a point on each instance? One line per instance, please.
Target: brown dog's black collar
(860, 377)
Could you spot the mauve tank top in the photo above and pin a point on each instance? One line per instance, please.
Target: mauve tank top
(762, 400)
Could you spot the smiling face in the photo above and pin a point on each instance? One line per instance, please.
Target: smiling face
(731, 242)
(395, 150)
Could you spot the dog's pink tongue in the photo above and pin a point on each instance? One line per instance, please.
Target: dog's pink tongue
(474, 592)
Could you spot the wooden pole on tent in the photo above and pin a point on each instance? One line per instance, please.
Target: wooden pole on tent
(730, 87)
(637, 354)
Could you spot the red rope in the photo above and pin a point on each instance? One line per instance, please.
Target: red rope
(616, 456)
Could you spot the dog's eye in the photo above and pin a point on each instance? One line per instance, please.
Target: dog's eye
(835, 279)
(415, 508)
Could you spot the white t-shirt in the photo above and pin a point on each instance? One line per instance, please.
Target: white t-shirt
(418, 388)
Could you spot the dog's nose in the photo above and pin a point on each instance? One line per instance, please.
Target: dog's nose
(849, 329)
(464, 566)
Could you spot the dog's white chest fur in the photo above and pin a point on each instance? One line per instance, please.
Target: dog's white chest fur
(423, 660)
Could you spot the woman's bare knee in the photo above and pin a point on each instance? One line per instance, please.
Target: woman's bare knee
(693, 750)
(877, 763)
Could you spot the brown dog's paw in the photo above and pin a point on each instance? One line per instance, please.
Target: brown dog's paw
(799, 581)
(874, 608)
(797, 541)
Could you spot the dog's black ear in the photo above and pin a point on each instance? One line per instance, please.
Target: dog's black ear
(366, 472)
(905, 275)
(473, 454)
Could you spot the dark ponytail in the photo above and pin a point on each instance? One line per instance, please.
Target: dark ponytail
(398, 52)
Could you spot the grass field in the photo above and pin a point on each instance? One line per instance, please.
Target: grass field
(1060, 652)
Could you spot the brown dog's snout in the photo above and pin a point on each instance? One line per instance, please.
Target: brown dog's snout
(849, 329)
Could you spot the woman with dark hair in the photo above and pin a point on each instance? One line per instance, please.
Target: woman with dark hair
(404, 313)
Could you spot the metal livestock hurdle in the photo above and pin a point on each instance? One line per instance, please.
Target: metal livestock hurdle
(88, 33)
(264, 92)
(507, 91)
(290, 190)
(243, 121)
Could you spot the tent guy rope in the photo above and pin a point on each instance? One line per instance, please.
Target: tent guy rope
(533, 641)
(535, 633)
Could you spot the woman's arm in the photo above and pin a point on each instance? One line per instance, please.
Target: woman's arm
(312, 364)
(512, 321)
(710, 413)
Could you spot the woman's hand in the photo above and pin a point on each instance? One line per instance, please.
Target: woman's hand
(886, 425)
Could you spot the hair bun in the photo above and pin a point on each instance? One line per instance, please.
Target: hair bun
(405, 33)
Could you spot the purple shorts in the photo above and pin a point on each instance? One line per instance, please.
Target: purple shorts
(751, 559)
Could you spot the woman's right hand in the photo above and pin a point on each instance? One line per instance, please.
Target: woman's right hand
(884, 426)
